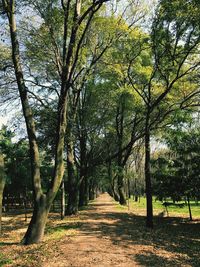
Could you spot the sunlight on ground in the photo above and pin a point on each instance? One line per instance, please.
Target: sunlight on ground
(104, 234)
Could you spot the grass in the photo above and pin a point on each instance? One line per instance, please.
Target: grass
(4, 260)
(60, 230)
(14, 227)
(140, 206)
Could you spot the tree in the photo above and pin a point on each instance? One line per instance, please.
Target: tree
(76, 21)
(174, 40)
(175, 170)
(2, 185)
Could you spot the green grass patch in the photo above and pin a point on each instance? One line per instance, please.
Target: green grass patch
(4, 261)
(158, 207)
(58, 231)
(120, 207)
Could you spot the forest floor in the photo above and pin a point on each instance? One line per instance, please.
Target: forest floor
(104, 235)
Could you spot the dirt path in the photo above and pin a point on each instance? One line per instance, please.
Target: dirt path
(107, 237)
(95, 245)
(104, 235)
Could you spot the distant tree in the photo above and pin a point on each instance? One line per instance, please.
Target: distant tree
(2, 185)
(176, 171)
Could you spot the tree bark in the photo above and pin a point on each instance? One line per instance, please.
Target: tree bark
(115, 193)
(84, 183)
(120, 179)
(38, 221)
(73, 197)
(84, 192)
(73, 185)
(92, 193)
(189, 208)
(62, 214)
(120, 135)
(149, 216)
(2, 185)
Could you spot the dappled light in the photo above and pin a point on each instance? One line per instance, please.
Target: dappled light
(99, 133)
(104, 234)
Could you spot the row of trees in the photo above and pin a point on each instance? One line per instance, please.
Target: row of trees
(94, 86)
(176, 167)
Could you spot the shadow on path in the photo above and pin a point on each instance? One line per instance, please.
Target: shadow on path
(172, 242)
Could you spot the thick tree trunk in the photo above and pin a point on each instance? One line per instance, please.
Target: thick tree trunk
(73, 186)
(120, 136)
(84, 192)
(112, 178)
(84, 183)
(37, 225)
(2, 185)
(81, 193)
(115, 194)
(149, 216)
(122, 195)
(73, 197)
(92, 191)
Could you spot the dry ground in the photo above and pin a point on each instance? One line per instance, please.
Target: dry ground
(104, 235)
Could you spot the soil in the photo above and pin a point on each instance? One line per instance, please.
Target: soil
(110, 236)
(97, 244)
(104, 235)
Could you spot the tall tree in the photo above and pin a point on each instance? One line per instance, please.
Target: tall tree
(76, 20)
(174, 40)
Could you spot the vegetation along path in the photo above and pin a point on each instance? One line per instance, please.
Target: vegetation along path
(106, 234)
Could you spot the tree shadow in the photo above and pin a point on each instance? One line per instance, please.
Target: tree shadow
(62, 227)
(8, 244)
(174, 235)
(150, 259)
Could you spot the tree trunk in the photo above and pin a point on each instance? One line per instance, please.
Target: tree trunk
(38, 221)
(62, 214)
(129, 188)
(25, 204)
(189, 208)
(73, 197)
(116, 196)
(81, 193)
(112, 182)
(120, 177)
(84, 192)
(2, 185)
(92, 189)
(115, 193)
(73, 186)
(120, 135)
(149, 216)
